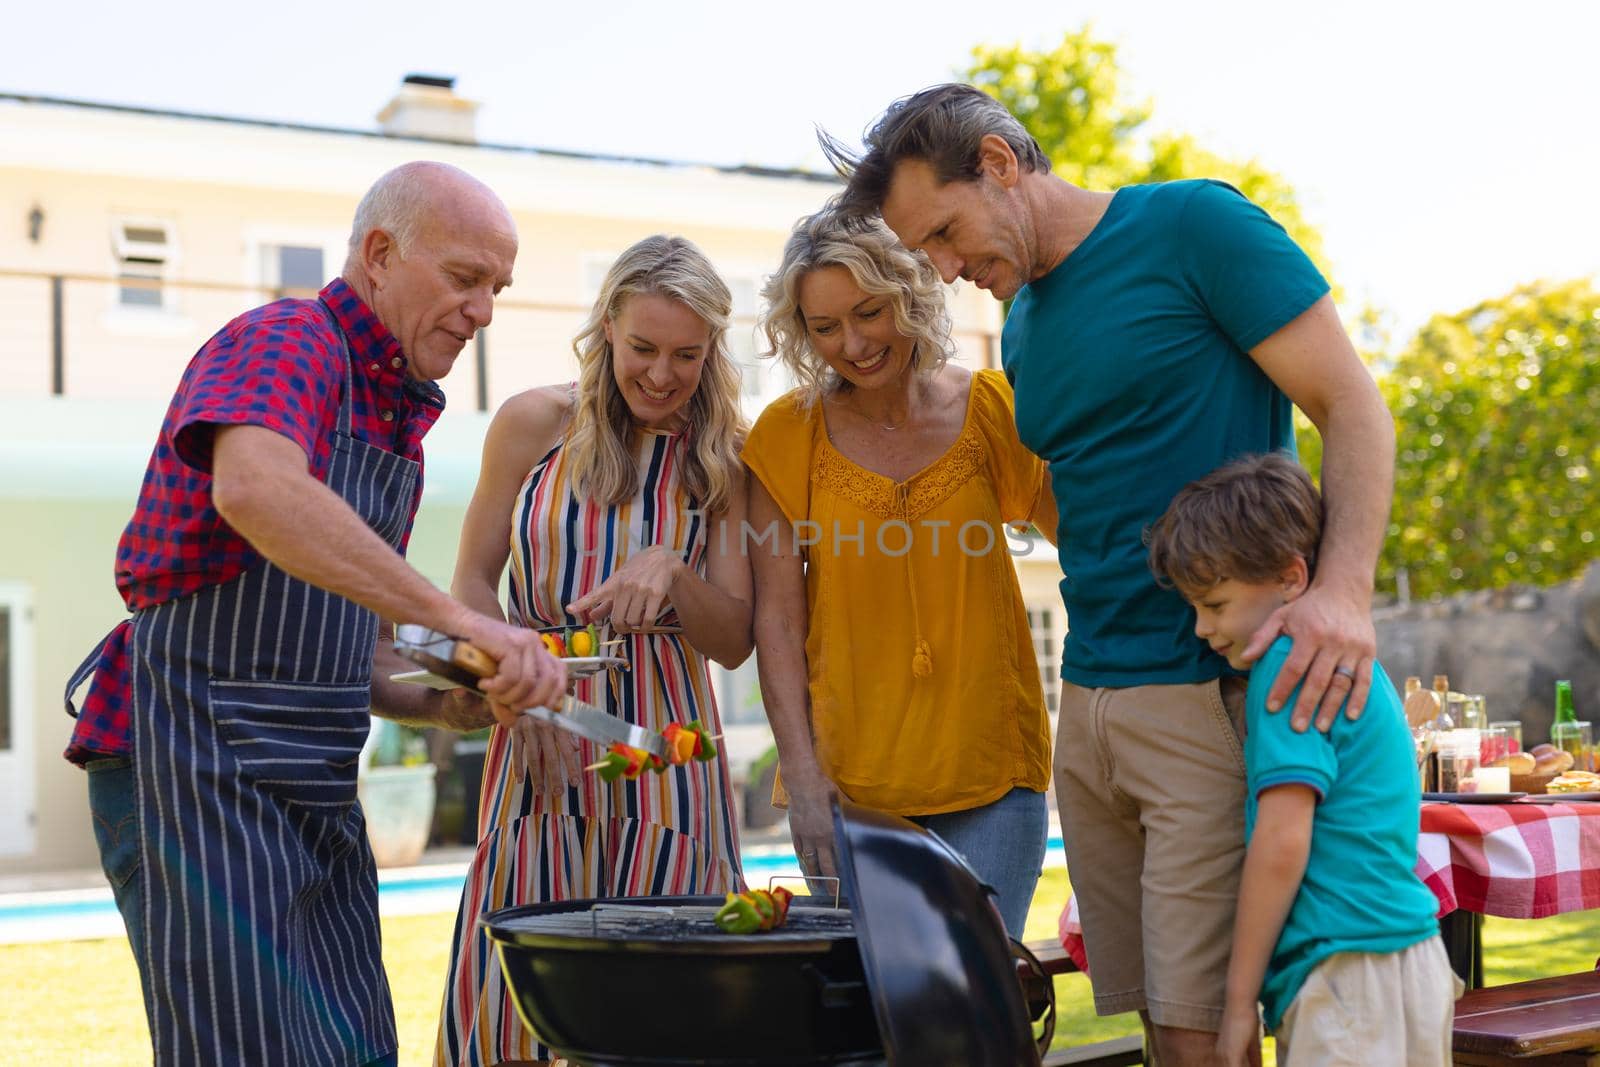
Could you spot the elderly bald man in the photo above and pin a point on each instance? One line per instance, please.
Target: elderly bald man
(223, 721)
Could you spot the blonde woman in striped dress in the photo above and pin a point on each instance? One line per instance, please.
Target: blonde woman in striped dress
(609, 497)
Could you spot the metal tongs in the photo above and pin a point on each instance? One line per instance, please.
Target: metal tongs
(463, 662)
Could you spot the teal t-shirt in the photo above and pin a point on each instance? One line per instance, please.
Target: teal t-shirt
(1360, 892)
(1131, 367)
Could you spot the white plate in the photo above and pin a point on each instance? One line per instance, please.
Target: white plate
(1561, 798)
(427, 678)
(584, 666)
(607, 631)
(577, 667)
(1471, 798)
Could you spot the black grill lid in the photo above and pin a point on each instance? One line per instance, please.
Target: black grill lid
(933, 945)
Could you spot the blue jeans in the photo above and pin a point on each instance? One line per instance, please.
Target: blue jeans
(113, 809)
(1004, 843)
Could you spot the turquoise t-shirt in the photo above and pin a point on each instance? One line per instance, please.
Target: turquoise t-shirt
(1360, 892)
(1130, 361)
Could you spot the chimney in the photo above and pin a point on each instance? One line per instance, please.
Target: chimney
(427, 106)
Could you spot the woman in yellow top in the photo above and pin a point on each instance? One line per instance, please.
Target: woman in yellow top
(895, 656)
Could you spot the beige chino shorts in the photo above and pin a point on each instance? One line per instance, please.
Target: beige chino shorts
(1151, 790)
(1359, 1009)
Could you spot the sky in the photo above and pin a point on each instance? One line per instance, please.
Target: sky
(1447, 152)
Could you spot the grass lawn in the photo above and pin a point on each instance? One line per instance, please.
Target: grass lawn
(77, 1002)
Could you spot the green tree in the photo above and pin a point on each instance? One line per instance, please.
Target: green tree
(1496, 411)
(1072, 100)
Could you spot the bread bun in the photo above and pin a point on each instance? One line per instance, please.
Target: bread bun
(1518, 762)
(1543, 750)
(1557, 761)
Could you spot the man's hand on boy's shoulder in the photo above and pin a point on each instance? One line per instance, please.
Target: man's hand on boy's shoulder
(1334, 646)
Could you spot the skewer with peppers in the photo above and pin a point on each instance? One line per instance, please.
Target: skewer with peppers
(754, 911)
(686, 741)
(574, 642)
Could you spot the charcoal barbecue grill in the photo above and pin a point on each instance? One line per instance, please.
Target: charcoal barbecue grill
(915, 970)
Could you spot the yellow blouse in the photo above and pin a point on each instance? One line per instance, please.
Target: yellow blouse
(925, 692)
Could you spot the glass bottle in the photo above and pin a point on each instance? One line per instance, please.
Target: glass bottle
(1567, 732)
(1564, 710)
(1441, 692)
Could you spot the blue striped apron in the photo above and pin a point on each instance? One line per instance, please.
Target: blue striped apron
(250, 705)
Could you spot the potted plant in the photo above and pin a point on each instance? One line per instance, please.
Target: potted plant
(469, 751)
(397, 793)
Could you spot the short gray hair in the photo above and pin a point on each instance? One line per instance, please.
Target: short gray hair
(941, 126)
(880, 266)
(397, 203)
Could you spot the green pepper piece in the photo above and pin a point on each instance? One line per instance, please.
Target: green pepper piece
(612, 766)
(766, 907)
(738, 916)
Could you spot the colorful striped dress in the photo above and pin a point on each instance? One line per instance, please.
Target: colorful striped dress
(662, 834)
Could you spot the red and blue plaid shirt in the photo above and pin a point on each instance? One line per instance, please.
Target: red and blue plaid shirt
(276, 367)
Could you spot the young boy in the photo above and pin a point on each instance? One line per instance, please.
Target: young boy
(1335, 934)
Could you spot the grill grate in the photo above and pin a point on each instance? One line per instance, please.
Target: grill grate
(683, 923)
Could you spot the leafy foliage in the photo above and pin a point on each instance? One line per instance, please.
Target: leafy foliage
(1072, 100)
(1495, 407)
(1496, 445)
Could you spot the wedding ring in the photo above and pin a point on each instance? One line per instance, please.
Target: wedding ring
(1346, 671)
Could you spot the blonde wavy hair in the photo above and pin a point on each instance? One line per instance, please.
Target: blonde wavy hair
(600, 444)
(881, 266)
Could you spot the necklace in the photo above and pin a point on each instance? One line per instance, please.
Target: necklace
(880, 425)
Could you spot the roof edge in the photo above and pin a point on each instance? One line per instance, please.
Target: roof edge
(748, 169)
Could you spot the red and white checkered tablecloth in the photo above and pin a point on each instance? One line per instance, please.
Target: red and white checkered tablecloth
(1520, 861)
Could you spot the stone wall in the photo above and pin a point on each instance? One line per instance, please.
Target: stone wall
(1508, 644)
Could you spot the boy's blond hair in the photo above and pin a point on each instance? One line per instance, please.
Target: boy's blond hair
(1246, 521)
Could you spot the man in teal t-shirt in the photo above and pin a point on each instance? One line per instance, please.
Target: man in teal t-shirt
(1156, 333)
(1181, 279)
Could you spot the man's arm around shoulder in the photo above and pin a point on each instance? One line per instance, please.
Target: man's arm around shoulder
(1312, 360)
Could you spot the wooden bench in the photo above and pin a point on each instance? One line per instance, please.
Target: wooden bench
(1549, 1022)
(1120, 1052)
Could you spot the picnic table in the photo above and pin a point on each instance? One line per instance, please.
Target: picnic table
(1519, 860)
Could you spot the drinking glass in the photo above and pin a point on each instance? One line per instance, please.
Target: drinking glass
(1467, 710)
(1422, 739)
(1576, 738)
(1494, 745)
(1458, 761)
(1513, 727)
(1492, 779)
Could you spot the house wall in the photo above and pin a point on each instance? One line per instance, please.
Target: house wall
(225, 190)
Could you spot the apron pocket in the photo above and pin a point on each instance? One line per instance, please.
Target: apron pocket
(301, 743)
